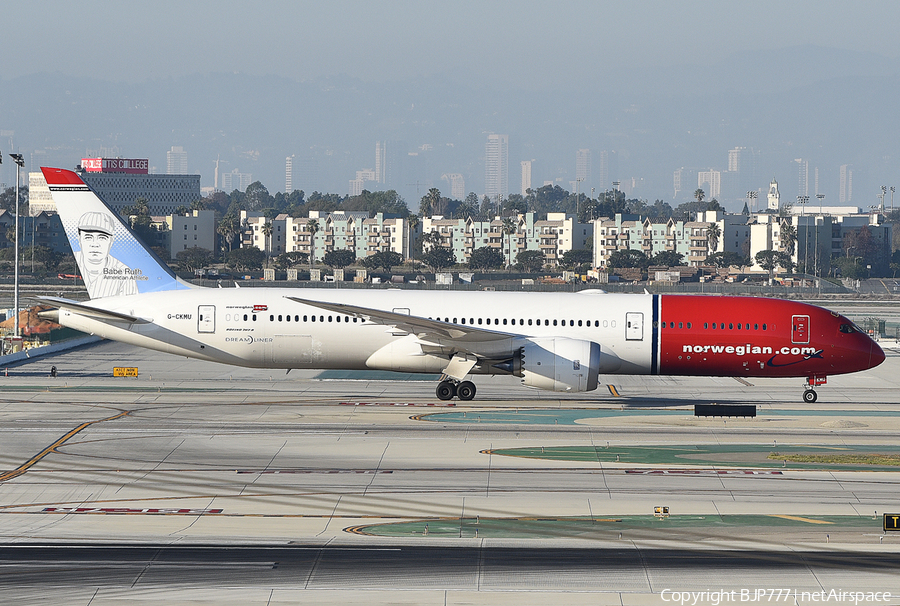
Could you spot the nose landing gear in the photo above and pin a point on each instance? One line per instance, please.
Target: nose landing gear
(446, 390)
(809, 394)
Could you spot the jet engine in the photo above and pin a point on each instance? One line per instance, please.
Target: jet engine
(560, 364)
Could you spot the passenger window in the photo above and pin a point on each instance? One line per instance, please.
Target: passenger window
(681, 325)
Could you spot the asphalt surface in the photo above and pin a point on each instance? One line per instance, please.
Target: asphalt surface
(196, 483)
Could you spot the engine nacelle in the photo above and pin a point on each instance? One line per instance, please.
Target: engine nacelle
(560, 364)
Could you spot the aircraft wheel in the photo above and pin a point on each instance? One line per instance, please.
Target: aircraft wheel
(465, 390)
(445, 390)
(809, 396)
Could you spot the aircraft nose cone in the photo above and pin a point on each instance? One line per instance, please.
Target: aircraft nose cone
(876, 355)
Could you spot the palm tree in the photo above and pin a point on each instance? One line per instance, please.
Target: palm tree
(509, 228)
(788, 238)
(713, 233)
(312, 226)
(700, 195)
(412, 222)
(267, 233)
(431, 203)
(228, 228)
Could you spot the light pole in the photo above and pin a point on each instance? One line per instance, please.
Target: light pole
(17, 158)
(577, 181)
(882, 195)
(752, 196)
(821, 198)
(803, 200)
(892, 199)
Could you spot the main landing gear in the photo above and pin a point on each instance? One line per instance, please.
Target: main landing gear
(465, 390)
(809, 394)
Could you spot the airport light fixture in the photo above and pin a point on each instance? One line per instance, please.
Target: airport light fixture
(803, 201)
(577, 181)
(892, 198)
(882, 195)
(20, 162)
(821, 198)
(751, 197)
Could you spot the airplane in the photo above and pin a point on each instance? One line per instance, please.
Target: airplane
(553, 341)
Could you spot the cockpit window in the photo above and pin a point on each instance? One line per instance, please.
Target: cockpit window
(848, 328)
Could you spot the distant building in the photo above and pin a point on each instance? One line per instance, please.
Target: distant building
(583, 169)
(289, 174)
(176, 161)
(846, 187)
(802, 176)
(526, 176)
(774, 197)
(710, 181)
(365, 179)
(198, 228)
(339, 230)
(457, 185)
(683, 180)
(39, 197)
(555, 236)
(236, 181)
(608, 169)
(120, 182)
(496, 167)
(390, 164)
(42, 229)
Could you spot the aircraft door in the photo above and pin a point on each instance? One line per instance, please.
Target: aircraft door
(800, 329)
(634, 326)
(206, 319)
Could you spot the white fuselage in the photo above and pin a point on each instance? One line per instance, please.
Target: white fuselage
(260, 327)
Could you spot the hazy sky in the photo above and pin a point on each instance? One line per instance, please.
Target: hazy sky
(511, 42)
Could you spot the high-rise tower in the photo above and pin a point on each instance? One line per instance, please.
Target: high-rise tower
(496, 167)
(176, 161)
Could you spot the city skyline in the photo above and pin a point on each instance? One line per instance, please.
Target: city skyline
(793, 91)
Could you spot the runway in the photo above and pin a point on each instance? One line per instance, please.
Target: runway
(199, 483)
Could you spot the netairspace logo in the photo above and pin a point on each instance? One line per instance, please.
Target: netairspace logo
(792, 596)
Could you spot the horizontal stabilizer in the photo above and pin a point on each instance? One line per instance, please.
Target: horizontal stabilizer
(92, 312)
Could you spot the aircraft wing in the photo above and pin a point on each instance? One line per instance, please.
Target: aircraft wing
(92, 312)
(421, 327)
